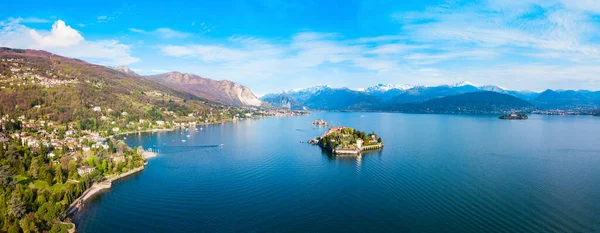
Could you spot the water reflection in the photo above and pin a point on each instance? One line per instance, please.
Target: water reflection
(347, 158)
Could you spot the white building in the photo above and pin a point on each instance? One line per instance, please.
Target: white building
(85, 170)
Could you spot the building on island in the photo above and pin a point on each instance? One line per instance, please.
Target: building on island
(344, 140)
(320, 122)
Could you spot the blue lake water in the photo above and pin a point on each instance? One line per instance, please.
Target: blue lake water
(437, 173)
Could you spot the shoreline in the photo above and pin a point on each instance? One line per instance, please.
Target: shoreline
(175, 127)
(96, 188)
(79, 203)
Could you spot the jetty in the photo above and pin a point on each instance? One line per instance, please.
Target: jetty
(347, 141)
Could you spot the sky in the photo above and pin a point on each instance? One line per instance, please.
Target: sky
(274, 45)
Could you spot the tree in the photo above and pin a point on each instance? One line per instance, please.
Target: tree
(34, 168)
(58, 176)
(5, 175)
(14, 228)
(16, 206)
(104, 166)
(73, 170)
(28, 224)
(49, 212)
(92, 161)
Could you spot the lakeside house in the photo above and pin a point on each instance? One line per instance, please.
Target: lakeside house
(83, 170)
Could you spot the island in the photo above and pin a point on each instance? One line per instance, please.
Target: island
(345, 140)
(320, 122)
(514, 116)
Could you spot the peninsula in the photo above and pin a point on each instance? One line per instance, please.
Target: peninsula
(345, 140)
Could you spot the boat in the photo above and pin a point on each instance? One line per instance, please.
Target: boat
(182, 140)
(222, 145)
(188, 136)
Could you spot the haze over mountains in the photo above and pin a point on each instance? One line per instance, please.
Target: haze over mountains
(122, 87)
(403, 98)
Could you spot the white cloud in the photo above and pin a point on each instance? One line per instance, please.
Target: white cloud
(61, 35)
(165, 33)
(526, 44)
(208, 53)
(104, 18)
(560, 27)
(35, 20)
(66, 41)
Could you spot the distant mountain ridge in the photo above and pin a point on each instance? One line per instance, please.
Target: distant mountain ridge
(284, 101)
(380, 97)
(483, 102)
(223, 91)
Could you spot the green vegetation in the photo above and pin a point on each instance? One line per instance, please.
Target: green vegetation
(347, 139)
(485, 102)
(67, 90)
(514, 116)
(35, 190)
(56, 116)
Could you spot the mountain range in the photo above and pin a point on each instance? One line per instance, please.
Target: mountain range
(384, 97)
(223, 91)
(68, 88)
(37, 84)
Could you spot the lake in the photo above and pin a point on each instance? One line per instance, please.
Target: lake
(436, 173)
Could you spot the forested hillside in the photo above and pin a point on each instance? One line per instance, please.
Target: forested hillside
(37, 84)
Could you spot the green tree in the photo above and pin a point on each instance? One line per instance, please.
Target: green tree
(104, 166)
(58, 174)
(92, 161)
(34, 169)
(5, 175)
(16, 206)
(28, 223)
(49, 212)
(73, 170)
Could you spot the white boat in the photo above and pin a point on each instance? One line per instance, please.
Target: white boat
(182, 140)
(222, 145)
(188, 136)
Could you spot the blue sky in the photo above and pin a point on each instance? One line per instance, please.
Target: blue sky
(278, 45)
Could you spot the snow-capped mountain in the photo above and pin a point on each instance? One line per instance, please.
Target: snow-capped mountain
(386, 87)
(303, 94)
(308, 90)
(386, 96)
(462, 84)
